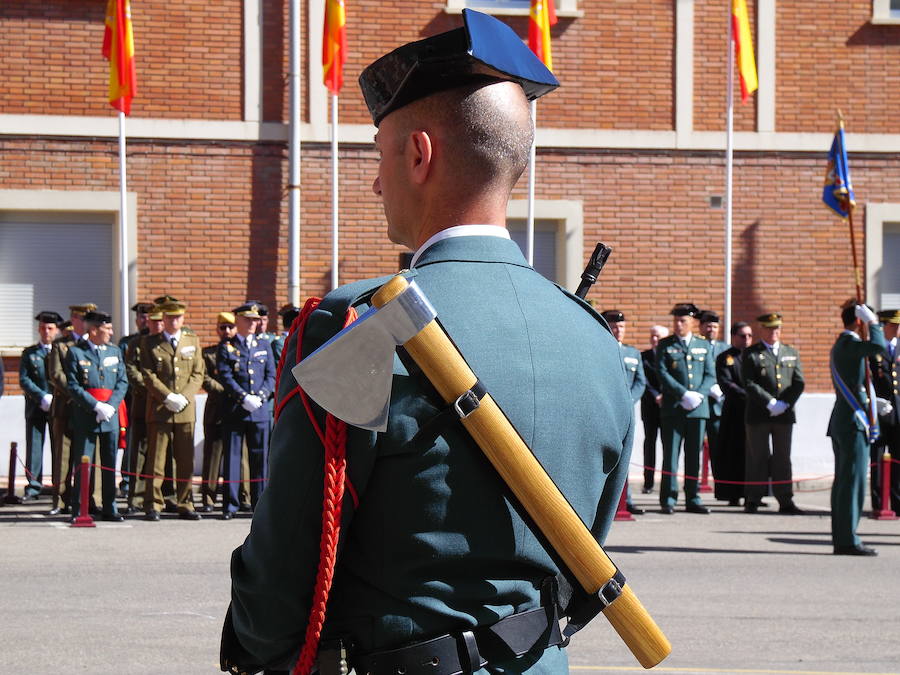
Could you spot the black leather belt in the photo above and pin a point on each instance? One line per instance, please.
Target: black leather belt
(469, 650)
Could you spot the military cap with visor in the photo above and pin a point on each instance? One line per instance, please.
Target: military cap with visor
(142, 307)
(685, 309)
(889, 316)
(248, 309)
(225, 319)
(49, 317)
(164, 299)
(483, 50)
(155, 313)
(770, 320)
(83, 309)
(173, 308)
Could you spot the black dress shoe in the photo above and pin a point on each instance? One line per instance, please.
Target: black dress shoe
(170, 508)
(246, 508)
(227, 515)
(66, 510)
(112, 517)
(646, 490)
(791, 509)
(854, 550)
(152, 516)
(696, 508)
(129, 511)
(734, 502)
(636, 510)
(668, 510)
(189, 515)
(206, 508)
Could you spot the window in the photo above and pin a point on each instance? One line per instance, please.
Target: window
(882, 254)
(559, 251)
(890, 272)
(885, 11)
(544, 245)
(564, 8)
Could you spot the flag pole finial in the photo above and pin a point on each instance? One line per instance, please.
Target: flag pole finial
(840, 118)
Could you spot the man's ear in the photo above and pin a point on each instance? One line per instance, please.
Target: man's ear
(420, 154)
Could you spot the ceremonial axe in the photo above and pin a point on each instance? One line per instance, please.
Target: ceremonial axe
(401, 314)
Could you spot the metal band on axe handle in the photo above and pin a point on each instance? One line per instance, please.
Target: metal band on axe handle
(451, 376)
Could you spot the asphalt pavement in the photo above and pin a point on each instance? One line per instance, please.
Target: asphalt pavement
(734, 593)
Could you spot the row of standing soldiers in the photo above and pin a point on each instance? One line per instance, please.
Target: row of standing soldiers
(87, 392)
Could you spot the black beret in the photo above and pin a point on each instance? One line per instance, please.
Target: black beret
(685, 309)
(613, 316)
(48, 317)
(708, 316)
(97, 318)
(142, 307)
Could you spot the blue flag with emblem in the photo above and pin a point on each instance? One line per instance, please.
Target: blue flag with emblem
(838, 191)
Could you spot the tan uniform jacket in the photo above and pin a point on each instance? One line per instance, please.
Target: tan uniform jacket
(138, 408)
(56, 375)
(167, 372)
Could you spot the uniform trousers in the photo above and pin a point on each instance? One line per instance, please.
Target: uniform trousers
(35, 433)
(712, 435)
(83, 445)
(212, 462)
(256, 434)
(890, 442)
(848, 492)
(137, 455)
(761, 463)
(60, 450)
(673, 430)
(650, 419)
(182, 444)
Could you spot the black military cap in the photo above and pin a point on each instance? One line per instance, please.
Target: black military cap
(483, 50)
(49, 317)
(249, 309)
(770, 320)
(889, 316)
(708, 316)
(685, 309)
(65, 325)
(97, 318)
(613, 316)
(142, 307)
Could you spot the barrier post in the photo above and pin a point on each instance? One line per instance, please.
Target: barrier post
(885, 512)
(11, 490)
(622, 511)
(704, 471)
(84, 518)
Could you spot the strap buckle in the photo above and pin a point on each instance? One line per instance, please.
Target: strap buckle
(467, 403)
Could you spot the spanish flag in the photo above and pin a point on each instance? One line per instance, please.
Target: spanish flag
(334, 45)
(743, 48)
(118, 49)
(540, 18)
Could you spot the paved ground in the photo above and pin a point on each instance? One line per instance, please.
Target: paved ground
(735, 593)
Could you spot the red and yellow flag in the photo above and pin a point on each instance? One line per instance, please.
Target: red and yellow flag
(118, 49)
(540, 18)
(334, 45)
(743, 48)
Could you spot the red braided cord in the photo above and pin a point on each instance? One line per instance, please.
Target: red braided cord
(297, 326)
(335, 442)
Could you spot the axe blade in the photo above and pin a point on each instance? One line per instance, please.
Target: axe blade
(350, 376)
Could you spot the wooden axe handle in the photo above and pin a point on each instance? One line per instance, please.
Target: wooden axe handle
(448, 371)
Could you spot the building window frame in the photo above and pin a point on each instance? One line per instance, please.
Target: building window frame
(569, 216)
(883, 14)
(564, 8)
(877, 217)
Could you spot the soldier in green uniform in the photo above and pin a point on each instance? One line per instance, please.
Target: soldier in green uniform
(212, 414)
(97, 383)
(709, 328)
(288, 313)
(141, 310)
(849, 426)
(60, 408)
(634, 376)
(172, 366)
(38, 398)
(436, 553)
(886, 381)
(773, 379)
(686, 374)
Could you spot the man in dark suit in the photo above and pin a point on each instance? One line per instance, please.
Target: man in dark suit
(650, 403)
(886, 381)
(728, 459)
(38, 398)
(436, 550)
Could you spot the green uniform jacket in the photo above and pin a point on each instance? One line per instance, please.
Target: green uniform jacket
(212, 412)
(89, 369)
(435, 544)
(170, 371)
(33, 378)
(767, 377)
(683, 368)
(136, 386)
(634, 372)
(56, 373)
(849, 354)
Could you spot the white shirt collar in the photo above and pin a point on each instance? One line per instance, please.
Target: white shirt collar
(686, 339)
(461, 231)
(169, 336)
(772, 348)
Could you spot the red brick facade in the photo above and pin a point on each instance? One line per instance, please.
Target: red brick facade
(212, 216)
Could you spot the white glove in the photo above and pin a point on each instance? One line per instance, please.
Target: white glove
(46, 400)
(716, 392)
(776, 407)
(691, 399)
(251, 402)
(884, 407)
(104, 411)
(175, 402)
(865, 314)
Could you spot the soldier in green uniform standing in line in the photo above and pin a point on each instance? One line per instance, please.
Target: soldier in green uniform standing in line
(212, 414)
(686, 374)
(38, 398)
(97, 382)
(709, 328)
(886, 381)
(634, 377)
(773, 379)
(141, 310)
(849, 426)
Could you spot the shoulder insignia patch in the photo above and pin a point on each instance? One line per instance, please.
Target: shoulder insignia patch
(729, 360)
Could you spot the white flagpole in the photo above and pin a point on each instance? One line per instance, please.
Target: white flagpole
(124, 316)
(293, 281)
(334, 191)
(529, 226)
(729, 160)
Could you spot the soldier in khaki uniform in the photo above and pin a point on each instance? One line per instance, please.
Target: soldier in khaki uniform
(172, 366)
(212, 416)
(773, 380)
(60, 408)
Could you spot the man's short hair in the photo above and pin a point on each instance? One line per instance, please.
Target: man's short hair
(848, 312)
(738, 326)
